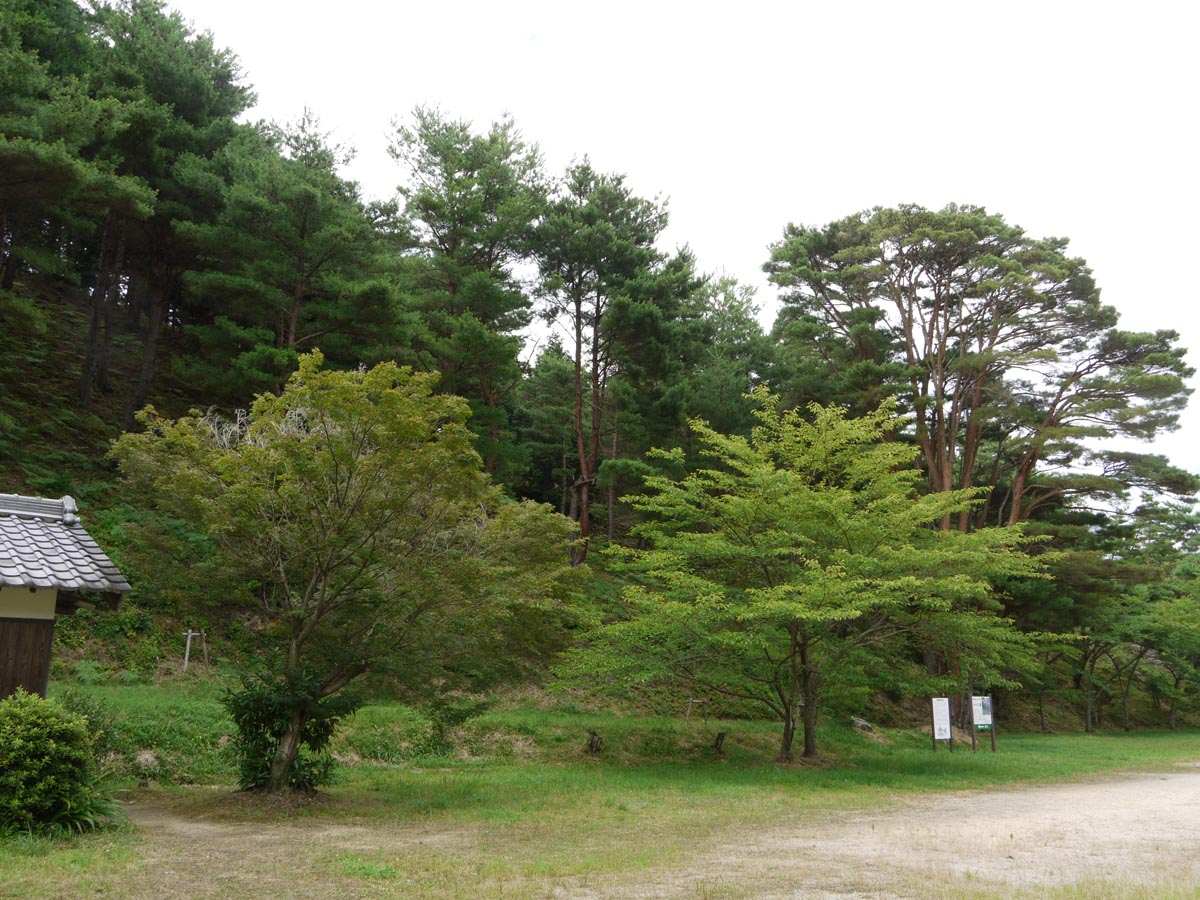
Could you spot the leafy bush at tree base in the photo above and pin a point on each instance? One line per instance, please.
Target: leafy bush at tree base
(262, 711)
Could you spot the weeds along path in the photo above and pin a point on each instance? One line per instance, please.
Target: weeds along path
(1120, 836)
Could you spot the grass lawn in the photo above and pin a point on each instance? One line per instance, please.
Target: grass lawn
(512, 805)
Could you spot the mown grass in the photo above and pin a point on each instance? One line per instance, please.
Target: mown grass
(528, 811)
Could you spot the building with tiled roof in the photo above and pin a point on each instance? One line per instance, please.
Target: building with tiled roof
(48, 564)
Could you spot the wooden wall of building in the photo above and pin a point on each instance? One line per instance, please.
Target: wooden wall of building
(25, 655)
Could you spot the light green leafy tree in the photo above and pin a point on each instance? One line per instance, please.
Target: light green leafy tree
(1173, 627)
(357, 513)
(802, 552)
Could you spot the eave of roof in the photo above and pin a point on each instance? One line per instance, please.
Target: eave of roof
(43, 545)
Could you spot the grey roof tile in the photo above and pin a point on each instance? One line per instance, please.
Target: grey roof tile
(42, 544)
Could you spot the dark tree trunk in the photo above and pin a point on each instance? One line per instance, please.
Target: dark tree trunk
(565, 507)
(292, 328)
(1173, 721)
(580, 497)
(612, 495)
(583, 512)
(810, 715)
(111, 301)
(149, 358)
(810, 690)
(104, 296)
(87, 378)
(1128, 686)
(5, 248)
(8, 273)
(99, 294)
(788, 737)
(1089, 703)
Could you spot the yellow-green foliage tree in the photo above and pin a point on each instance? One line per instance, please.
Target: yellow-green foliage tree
(801, 551)
(358, 515)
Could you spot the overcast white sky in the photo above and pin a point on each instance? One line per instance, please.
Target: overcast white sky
(1069, 119)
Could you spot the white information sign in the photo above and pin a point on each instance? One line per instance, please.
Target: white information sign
(983, 711)
(941, 719)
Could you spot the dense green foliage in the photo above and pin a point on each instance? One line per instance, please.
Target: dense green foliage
(353, 509)
(155, 246)
(49, 778)
(797, 560)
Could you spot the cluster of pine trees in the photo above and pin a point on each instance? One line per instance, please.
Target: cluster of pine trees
(224, 250)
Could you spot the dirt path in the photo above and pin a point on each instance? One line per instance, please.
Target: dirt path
(1126, 830)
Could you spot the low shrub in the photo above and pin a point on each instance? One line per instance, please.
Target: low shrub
(262, 711)
(49, 781)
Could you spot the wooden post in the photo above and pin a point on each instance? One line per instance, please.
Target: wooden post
(971, 703)
(992, 705)
(187, 648)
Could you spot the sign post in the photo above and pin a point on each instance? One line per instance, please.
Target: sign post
(942, 731)
(981, 719)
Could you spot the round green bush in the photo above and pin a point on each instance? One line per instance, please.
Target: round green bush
(48, 772)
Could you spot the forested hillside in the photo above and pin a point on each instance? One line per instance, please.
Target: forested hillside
(156, 247)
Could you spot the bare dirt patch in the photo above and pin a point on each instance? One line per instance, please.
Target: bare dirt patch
(213, 857)
(1121, 830)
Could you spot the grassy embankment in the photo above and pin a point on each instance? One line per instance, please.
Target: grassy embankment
(511, 804)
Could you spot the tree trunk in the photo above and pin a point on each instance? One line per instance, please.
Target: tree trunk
(1172, 721)
(1089, 696)
(87, 378)
(1016, 512)
(8, 271)
(810, 686)
(580, 495)
(583, 510)
(285, 753)
(99, 295)
(564, 507)
(970, 449)
(104, 297)
(1133, 667)
(292, 328)
(111, 300)
(490, 461)
(612, 494)
(789, 733)
(810, 715)
(149, 358)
